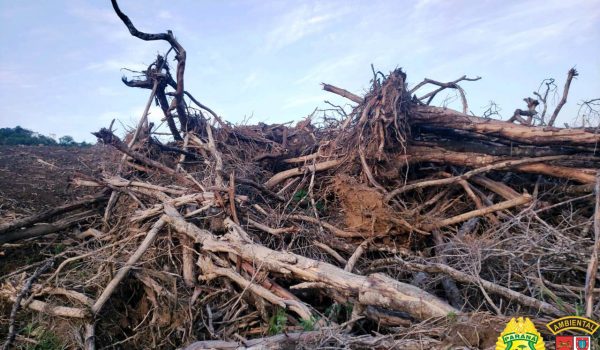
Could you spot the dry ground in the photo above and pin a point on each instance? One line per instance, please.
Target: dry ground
(33, 179)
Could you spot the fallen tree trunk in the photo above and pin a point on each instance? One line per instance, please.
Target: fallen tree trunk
(43, 229)
(48, 214)
(315, 338)
(438, 117)
(376, 289)
(417, 154)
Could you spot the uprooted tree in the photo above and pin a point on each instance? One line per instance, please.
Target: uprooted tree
(399, 224)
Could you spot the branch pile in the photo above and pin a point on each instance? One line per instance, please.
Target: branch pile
(397, 225)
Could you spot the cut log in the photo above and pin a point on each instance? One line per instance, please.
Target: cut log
(476, 160)
(449, 119)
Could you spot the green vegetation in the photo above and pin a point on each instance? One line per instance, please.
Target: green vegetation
(277, 322)
(46, 340)
(59, 248)
(339, 313)
(452, 317)
(22, 136)
(301, 196)
(309, 325)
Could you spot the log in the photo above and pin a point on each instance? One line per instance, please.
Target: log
(376, 289)
(417, 154)
(315, 338)
(44, 229)
(443, 118)
(48, 214)
(450, 180)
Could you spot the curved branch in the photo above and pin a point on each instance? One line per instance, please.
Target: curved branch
(181, 56)
(442, 86)
(145, 36)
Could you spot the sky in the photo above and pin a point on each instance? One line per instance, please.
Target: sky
(61, 61)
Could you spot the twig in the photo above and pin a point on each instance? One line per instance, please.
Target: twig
(336, 231)
(489, 286)
(452, 292)
(442, 86)
(211, 271)
(446, 181)
(273, 231)
(114, 196)
(261, 188)
(550, 86)
(231, 192)
(187, 255)
(357, 254)
(90, 336)
(107, 137)
(331, 252)
(212, 147)
(524, 199)
(12, 330)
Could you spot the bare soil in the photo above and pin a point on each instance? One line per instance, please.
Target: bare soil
(36, 178)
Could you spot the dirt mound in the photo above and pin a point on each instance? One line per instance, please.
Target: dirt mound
(365, 210)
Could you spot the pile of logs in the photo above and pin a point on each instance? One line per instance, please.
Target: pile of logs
(397, 225)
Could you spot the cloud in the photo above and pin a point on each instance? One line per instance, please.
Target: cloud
(301, 22)
(304, 101)
(331, 69)
(113, 65)
(17, 77)
(165, 14)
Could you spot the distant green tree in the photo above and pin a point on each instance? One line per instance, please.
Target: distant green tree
(66, 141)
(22, 136)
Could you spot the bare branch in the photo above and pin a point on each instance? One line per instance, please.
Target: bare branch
(442, 86)
(572, 73)
(344, 93)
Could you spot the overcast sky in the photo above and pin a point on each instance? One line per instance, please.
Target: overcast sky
(60, 61)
